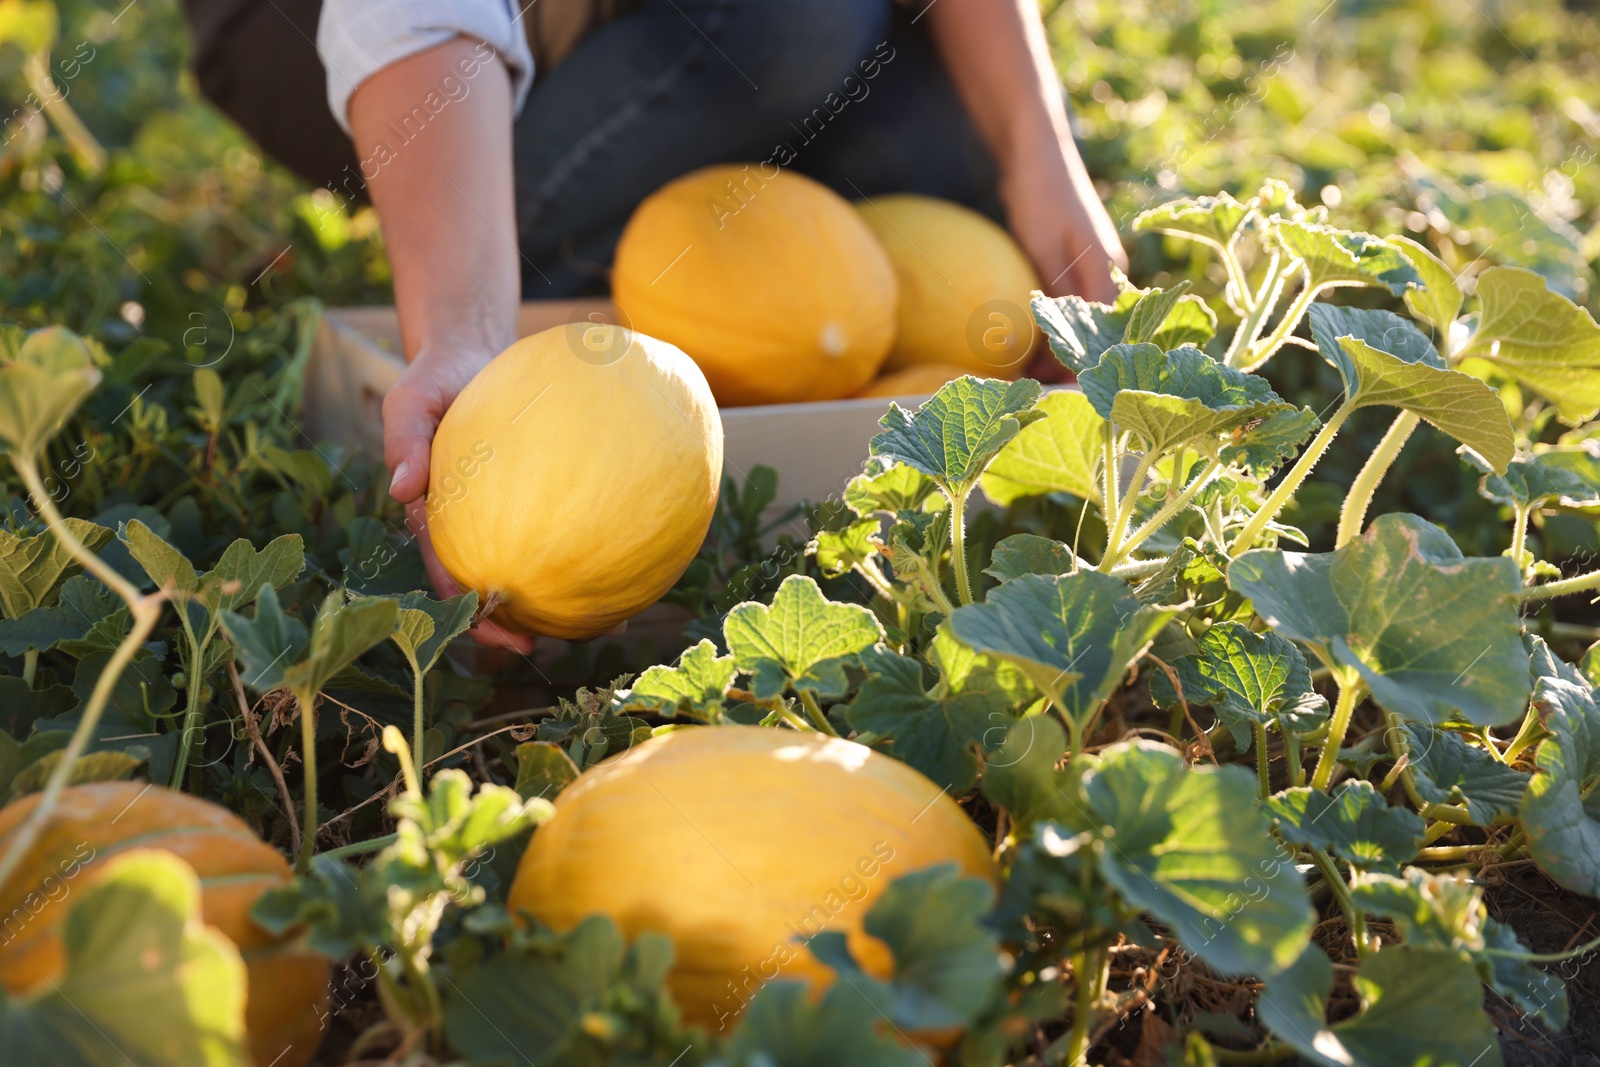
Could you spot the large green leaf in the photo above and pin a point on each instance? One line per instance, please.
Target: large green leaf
(242, 571)
(1435, 296)
(167, 567)
(146, 983)
(341, 632)
(802, 641)
(695, 687)
(1420, 1008)
(1448, 770)
(888, 486)
(543, 770)
(1335, 257)
(1568, 475)
(1540, 338)
(1060, 453)
(838, 551)
(1026, 553)
(1192, 847)
(1385, 361)
(939, 733)
(42, 382)
(1022, 777)
(959, 430)
(1561, 810)
(585, 1000)
(81, 604)
(1072, 634)
(1212, 219)
(785, 1027)
(446, 620)
(1355, 823)
(268, 644)
(33, 569)
(1080, 330)
(946, 961)
(1172, 398)
(1249, 678)
(1433, 634)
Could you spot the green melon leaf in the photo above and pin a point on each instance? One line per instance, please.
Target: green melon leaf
(1561, 811)
(1435, 296)
(242, 571)
(1021, 776)
(838, 551)
(959, 430)
(1355, 823)
(543, 770)
(577, 1002)
(938, 733)
(341, 632)
(33, 569)
(268, 644)
(168, 568)
(695, 687)
(946, 960)
(1170, 318)
(1433, 634)
(1386, 361)
(1192, 847)
(1398, 986)
(1027, 553)
(784, 1027)
(1060, 453)
(1211, 219)
(1540, 338)
(1335, 257)
(1079, 330)
(445, 621)
(964, 670)
(1567, 475)
(1073, 635)
(42, 382)
(802, 641)
(890, 487)
(1538, 993)
(81, 603)
(1447, 769)
(1249, 678)
(146, 983)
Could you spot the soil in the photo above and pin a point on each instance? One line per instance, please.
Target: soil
(1548, 919)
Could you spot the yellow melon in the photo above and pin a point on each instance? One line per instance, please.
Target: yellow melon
(964, 286)
(741, 842)
(574, 478)
(770, 282)
(288, 983)
(920, 379)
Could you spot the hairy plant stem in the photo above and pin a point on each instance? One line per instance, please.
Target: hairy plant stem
(1453, 852)
(1260, 307)
(361, 848)
(1291, 750)
(1341, 892)
(1291, 481)
(1263, 761)
(1354, 513)
(1119, 523)
(958, 544)
(145, 610)
(1109, 463)
(308, 757)
(1263, 350)
(80, 142)
(1086, 967)
(814, 710)
(1582, 583)
(1350, 693)
(417, 679)
(1170, 509)
(1519, 535)
(1241, 284)
(191, 698)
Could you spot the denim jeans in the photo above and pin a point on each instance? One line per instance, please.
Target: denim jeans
(849, 92)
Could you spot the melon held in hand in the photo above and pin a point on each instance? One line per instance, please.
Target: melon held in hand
(574, 478)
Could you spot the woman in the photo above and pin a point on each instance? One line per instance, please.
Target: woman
(505, 148)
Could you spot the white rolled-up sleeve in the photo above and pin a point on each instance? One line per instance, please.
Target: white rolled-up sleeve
(358, 38)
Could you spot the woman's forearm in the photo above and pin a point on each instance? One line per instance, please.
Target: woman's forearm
(999, 61)
(433, 132)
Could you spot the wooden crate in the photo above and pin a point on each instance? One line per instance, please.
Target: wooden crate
(815, 447)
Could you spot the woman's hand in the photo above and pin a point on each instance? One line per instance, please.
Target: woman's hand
(1055, 215)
